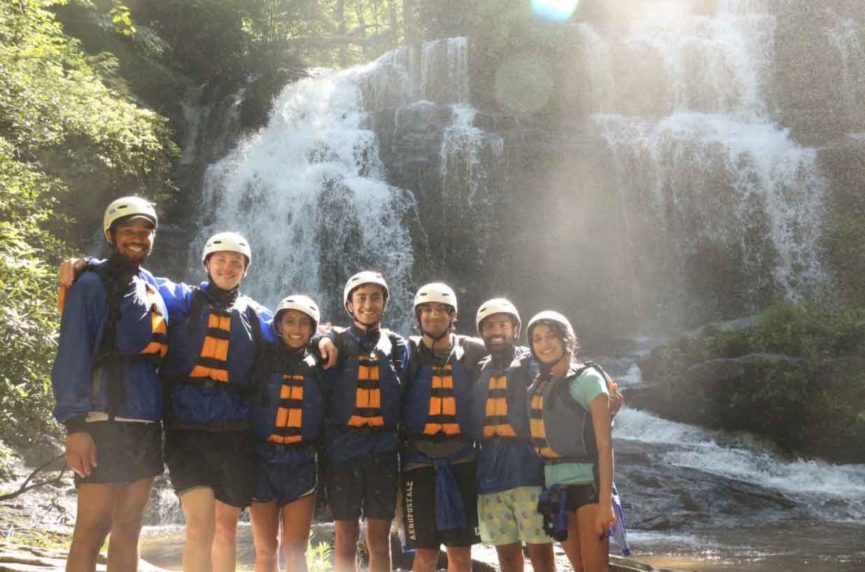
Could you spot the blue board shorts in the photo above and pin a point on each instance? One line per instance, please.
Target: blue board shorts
(284, 473)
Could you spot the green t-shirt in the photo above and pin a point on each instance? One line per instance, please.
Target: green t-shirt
(584, 389)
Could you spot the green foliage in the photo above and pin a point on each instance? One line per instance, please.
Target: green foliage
(231, 40)
(319, 557)
(27, 310)
(780, 398)
(58, 112)
(814, 403)
(70, 136)
(122, 19)
(810, 331)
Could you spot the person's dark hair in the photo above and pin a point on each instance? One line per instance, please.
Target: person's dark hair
(571, 343)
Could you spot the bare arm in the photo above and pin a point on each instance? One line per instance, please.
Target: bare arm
(600, 410)
(70, 269)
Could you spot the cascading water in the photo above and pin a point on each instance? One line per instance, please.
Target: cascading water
(846, 37)
(309, 190)
(309, 193)
(706, 180)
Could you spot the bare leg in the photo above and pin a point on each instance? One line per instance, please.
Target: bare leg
(265, 535)
(459, 559)
(91, 526)
(595, 550)
(378, 543)
(511, 557)
(542, 557)
(345, 551)
(128, 510)
(224, 550)
(199, 510)
(572, 544)
(296, 522)
(425, 560)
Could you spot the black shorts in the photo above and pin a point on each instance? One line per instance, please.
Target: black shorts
(363, 487)
(126, 451)
(221, 460)
(419, 508)
(580, 496)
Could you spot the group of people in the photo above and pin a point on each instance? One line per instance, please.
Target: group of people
(460, 439)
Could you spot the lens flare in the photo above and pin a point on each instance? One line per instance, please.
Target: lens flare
(555, 10)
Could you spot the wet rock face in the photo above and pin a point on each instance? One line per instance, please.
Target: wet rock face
(819, 68)
(678, 498)
(843, 162)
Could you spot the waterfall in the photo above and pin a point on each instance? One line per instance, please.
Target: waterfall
(846, 38)
(310, 192)
(706, 180)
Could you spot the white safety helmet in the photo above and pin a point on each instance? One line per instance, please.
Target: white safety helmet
(436, 292)
(227, 242)
(301, 303)
(498, 306)
(358, 280)
(556, 319)
(128, 207)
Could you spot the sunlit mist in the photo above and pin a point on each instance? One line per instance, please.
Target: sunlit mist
(556, 10)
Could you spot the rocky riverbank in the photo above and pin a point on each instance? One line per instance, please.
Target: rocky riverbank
(37, 526)
(794, 375)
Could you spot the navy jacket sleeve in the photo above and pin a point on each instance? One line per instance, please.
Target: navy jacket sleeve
(265, 324)
(176, 295)
(85, 311)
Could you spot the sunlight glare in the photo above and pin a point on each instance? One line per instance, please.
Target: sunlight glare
(555, 10)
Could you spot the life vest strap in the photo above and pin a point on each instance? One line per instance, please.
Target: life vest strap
(218, 334)
(362, 427)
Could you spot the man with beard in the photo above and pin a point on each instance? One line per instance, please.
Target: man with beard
(107, 388)
(510, 476)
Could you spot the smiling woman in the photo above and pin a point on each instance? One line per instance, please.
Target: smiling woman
(556, 10)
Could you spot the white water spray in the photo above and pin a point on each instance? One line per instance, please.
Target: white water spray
(814, 483)
(309, 189)
(848, 40)
(693, 145)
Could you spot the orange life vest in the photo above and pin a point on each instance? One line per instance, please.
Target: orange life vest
(212, 362)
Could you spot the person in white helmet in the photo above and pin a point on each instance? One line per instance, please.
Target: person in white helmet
(570, 424)
(208, 373)
(107, 389)
(438, 457)
(287, 421)
(510, 476)
(363, 395)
